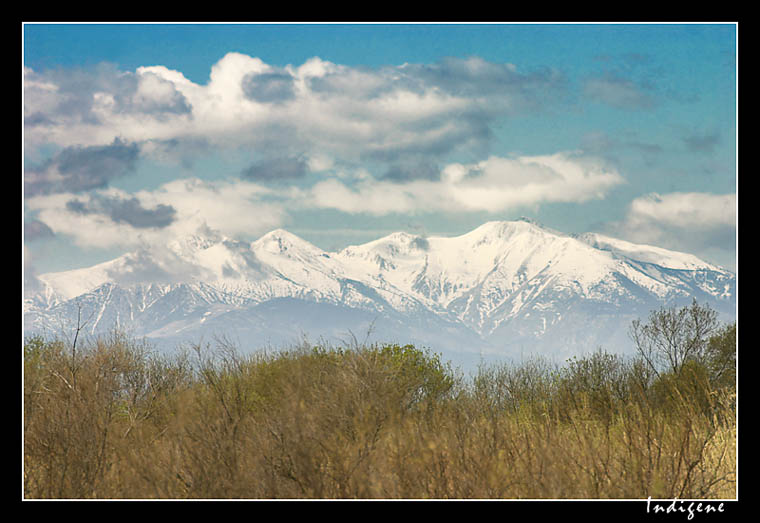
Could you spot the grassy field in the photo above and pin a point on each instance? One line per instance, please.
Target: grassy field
(112, 420)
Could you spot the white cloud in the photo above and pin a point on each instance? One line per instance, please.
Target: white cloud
(496, 184)
(235, 208)
(243, 208)
(315, 107)
(704, 224)
(685, 210)
(320, 162)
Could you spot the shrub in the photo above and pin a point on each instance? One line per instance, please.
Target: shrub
(674, 336)
(721, 357)
(115, 420)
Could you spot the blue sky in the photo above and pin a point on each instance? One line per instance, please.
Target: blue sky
(341, 133)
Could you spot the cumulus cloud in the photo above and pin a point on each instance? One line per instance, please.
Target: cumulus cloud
(700, 223)
(318, 106)
(114, 218)
(111, 217)
(35, 230)
(31, 284)
(151, 94)
(493, 185)
(381, 140)
(157, 265)
(87, 107)
(702, 210)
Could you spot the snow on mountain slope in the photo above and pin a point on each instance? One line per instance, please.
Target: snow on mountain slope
(647, 253)
(501, 286)
(498, 254)
(498, 267)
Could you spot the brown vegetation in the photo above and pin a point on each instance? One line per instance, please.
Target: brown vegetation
(111, 420)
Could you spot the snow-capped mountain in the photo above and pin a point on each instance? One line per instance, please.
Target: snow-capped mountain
(504, 288)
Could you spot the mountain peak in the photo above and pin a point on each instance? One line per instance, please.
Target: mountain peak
(200, 240)
(502, 285)
(279, 232)
(505, 229)
(284, 237)
(532, 221)
(413, 241)
(280, 241)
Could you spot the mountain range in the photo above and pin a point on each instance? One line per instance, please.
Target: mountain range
(505, 289)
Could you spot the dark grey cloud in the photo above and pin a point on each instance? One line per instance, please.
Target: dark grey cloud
(598, 142)
(242, 252)
(229, 272)
(77, 169)
(420, 243)
(92, 163)
(475, 77)
(702, 142)
(37, 230)
(272, 87)
(132, 212)
(276, 169)
(37, 118)
(182, 151)
(466, 77)
(415, 171)
(487, 91)
(171, 102)
(619, 91)
(76, 89)
(128, 210)
(602, 143)
(647, 148)
(357, 83)
(79, 207)
(433, 138)
(630, 81)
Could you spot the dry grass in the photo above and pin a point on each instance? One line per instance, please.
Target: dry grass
(391, 422)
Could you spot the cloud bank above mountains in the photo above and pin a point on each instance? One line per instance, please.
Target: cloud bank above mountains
(319, 106)
(409, 139)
